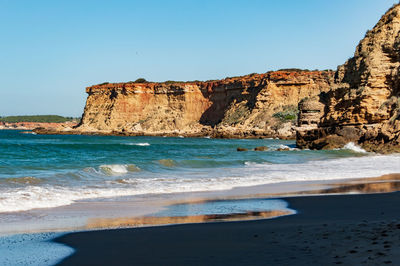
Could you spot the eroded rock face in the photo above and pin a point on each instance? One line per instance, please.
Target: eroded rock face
(234, 107)
(310, 113)
(363, 105)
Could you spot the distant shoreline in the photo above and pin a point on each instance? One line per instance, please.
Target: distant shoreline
(34, 125)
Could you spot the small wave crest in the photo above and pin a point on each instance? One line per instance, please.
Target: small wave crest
(28, 132)
(118, 169)
(282, 147)
(353, 147)
(138, 144)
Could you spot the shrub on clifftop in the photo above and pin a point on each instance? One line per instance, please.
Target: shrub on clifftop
(140, 80)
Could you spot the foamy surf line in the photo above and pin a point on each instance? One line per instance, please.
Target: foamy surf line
(137, 144)
(252, 174)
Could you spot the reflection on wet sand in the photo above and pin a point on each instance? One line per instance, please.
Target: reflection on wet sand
(382, 184)
(150, 220)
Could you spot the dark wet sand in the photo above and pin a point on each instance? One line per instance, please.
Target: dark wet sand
(359, 229)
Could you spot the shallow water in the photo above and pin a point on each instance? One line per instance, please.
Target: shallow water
(32, 249)
(224, 207)
(44, 171)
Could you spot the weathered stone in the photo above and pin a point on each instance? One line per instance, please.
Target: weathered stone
(239, 107)
(283, 149)
(363, 105)
(241, 149)
(310, 113)
(261, 148)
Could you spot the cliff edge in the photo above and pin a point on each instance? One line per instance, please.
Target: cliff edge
(363, 105)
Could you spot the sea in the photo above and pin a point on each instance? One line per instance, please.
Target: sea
(47, 171)
(41, 173)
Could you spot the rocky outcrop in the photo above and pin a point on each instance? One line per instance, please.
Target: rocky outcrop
(256, 105)
(363, 106)
(310, 113)
(34, 125)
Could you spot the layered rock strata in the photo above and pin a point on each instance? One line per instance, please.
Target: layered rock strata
(364, 104)
(256, 105)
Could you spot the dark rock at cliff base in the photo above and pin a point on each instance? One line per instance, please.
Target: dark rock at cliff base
(241, 149)
(283, 149)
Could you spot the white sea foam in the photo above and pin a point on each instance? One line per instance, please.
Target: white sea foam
(28, 132)
(275, 147)
(138, 144)
(45, 196)
(354, 147)
(117, 169)
(114, 169)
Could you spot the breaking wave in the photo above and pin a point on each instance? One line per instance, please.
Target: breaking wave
(353, 147)
(118, 169)
(251, 174)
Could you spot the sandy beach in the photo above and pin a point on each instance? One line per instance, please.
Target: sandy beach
(362, 229)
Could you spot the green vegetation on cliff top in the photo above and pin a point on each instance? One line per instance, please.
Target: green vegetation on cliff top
(37, 118)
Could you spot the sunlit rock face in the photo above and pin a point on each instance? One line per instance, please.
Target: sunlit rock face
(363, 105)
(238, 107)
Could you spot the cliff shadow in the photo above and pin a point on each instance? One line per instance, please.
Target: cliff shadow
(228, 96)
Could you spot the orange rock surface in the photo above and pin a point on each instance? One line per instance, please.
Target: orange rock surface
(237, 107)
(364, 103)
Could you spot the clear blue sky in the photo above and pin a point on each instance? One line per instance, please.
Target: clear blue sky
(51, 50)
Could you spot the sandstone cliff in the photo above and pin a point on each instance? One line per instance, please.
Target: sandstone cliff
(247, 106)
(363, 105)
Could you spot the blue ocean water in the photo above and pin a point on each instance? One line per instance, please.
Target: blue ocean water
(44, 171)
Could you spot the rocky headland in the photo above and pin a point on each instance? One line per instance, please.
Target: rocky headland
(363, 105)
(256, 105)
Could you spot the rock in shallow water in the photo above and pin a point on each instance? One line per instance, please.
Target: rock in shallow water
(261, 148)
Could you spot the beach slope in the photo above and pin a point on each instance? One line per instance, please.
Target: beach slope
(362, 229)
